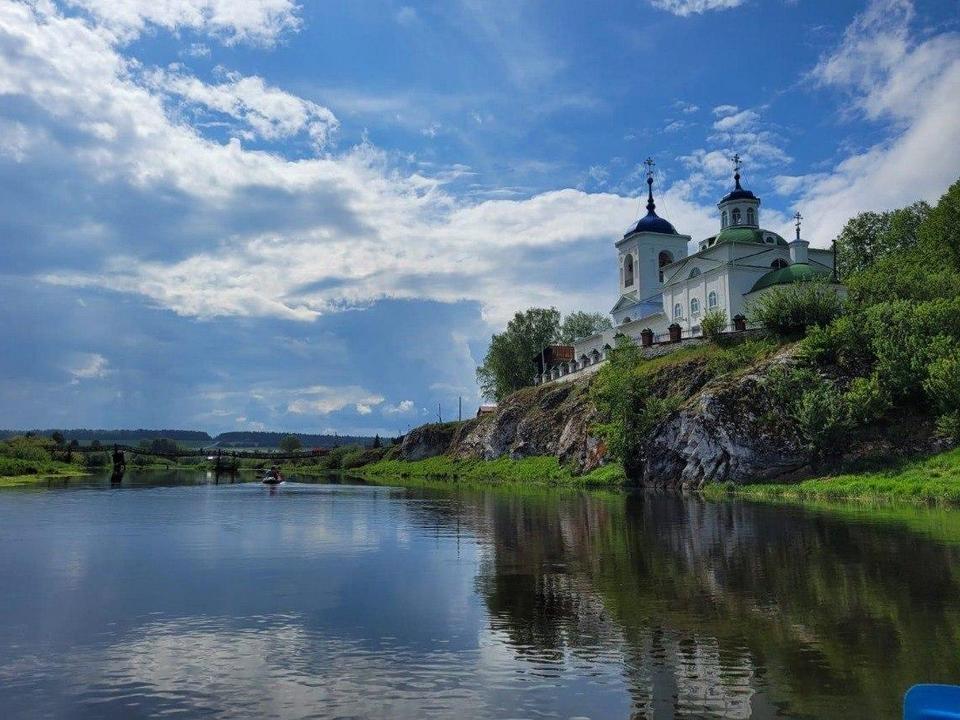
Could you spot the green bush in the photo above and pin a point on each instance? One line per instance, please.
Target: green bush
(96, 460)
(714, 324)
(627, 405)
(739, 355)
(943, 388)
(33, 448)
(788, 311)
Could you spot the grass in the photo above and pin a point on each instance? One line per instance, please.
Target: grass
(932, 480)
(541, 469)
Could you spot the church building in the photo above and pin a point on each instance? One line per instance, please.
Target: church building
(664, 291)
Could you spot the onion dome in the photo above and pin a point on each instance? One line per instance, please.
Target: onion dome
(798, 272)
(738, 193)
(651, 222)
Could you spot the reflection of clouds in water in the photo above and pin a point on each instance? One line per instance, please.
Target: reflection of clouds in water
(275, 668)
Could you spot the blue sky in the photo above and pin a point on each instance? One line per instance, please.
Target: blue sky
(227, 214)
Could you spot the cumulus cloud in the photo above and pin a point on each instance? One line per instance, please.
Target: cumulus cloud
(267, 112)
(323, 400)
(271, 236)
(88, 366)
(684, 8)
(234, 21)
(404, 407)
(911, 85)
(742, 119)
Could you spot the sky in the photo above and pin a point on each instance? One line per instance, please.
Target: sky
(264, 214)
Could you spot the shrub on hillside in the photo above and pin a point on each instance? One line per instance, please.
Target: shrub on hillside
(714, 324)
(943, 388)
(21, 447)
(788, 311)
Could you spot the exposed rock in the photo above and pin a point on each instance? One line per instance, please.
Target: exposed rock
(730, 431)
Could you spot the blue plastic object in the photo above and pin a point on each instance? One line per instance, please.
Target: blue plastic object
(932, 702)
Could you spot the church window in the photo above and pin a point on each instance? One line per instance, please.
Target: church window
(736, 216)
(626, 320)
(723, 219)
(712, 300)
(751, 217)
(678, 311)
(628, 271)
(664, 258)
(779, 264)
(694, 272)
(695, 307)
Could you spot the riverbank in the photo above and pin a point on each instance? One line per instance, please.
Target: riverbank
(935, 479)
(537, 469)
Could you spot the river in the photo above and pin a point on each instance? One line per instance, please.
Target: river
(172, 595)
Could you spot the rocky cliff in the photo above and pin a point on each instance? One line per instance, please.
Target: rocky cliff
(728, 428)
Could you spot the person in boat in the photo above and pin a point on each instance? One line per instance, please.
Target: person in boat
(273, 473)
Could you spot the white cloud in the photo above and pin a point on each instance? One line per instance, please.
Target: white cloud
(721, 110)
(742, 119)
(323, 400)
(324, 255)
(89, 366)
(913, 86)
(268, 112)
(249, 21)
(403, 407)
(686, 107)
(684, 8)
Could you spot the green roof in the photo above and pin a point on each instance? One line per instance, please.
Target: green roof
(798, 272)
(745, 235)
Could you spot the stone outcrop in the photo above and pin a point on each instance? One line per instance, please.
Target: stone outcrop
(728, 428)
(729, 431)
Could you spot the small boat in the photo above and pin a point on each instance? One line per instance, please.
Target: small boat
(273, 479)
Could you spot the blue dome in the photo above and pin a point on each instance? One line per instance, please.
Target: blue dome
(739, 195)
(651, 222)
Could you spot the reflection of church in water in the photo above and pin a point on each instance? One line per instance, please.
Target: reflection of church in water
(664, 292)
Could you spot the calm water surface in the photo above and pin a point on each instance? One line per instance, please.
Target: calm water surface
(174, 596)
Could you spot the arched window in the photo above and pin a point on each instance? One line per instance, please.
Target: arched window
(711, 300)
(694, 272)
(664, 258)
(678, 311)
(779, 264)
(626, 320)
(628, 270)
(694, 307)
(723, 219)
(751, 217)
(736, 216)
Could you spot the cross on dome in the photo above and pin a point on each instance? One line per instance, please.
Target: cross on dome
(798, 217)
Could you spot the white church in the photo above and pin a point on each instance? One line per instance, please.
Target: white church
(664, 291)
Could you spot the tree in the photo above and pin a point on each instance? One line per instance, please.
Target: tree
(582, 324)
(377, 443)
(57, 437)
(871, 236)
(164, 446)
(290, 443)
(508, 364)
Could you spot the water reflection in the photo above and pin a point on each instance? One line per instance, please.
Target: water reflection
(174, 595)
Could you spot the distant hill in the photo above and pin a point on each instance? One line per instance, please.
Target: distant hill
(196, 438)
(124, 437)
(272, 439)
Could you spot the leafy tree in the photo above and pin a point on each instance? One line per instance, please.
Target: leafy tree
(290, 443)
(872, 236)
(57, 437)
(164, 446)
(377, 443)
(508, 365)
(582, 324)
